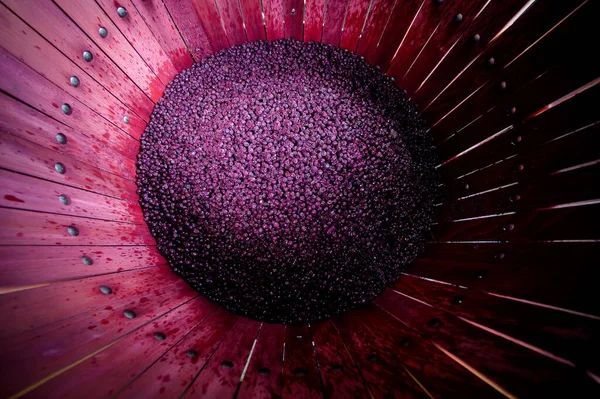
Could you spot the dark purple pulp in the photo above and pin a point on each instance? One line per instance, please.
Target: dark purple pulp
(286, 181)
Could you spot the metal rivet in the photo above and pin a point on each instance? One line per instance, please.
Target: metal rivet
(66, 109)
(458, 18)
(105, 290)
(502, 85)
(480, 276)
(466, 186)
(103, 32)
(264, 371)
(300, 372)
(405, 343)
(61, 138)
(60, 168)
(516, 140)
(74, 80)
(511, 111)
(509, 227)
(191, 353)
(337, 367)
(87, 56)
(122, 12)
(515, 198)
(434, 322)
(500, 255)
(226, 364)
(130, 314)
(293, 10)
(160, 336)
(475, 246)
(72, 230)
(491, 61)
(520, 167)
(87, 260)
(476, 38)
(373, 357)
(126, 119)
(458, 300)
(64, 199)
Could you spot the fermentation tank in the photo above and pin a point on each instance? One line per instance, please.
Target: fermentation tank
(500, 304)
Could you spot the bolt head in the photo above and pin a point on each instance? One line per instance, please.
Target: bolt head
(122, 12)
(103, 32)
(74, 80)
(66, 109)
(72, 230)
(64, 199)
(60, 168)
(105, 290)
(87, 260)
(130, 314)
(61, 138)
(126, 119)
(87, 56)
(191, 353)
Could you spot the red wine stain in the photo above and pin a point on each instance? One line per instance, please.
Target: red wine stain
(12, 198)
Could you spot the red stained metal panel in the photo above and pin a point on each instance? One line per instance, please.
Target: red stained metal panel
(547, 329)
(26, 157)
(263, 377)
(168, 25)
(569, 223)
(209, 17)
(40, 264)
(397, 26)
(515, 368)
(452, 51)
(313, 20)
(341, 378)
(377, 357)
(221, 375)
(172, 374)
(293, 14)
(274, 22)
(253, 21)
(539, 266)
(29, 124)
(547, 191)
(32, 49)
(535, 22)
(44, 16)
(574, 115)
(375, 24)
(28, 193)
(231, 16)
(335, 12)
(430, 22)
(137, 33)
(131, 355)
(25, 84)
(36, 228)
(300, 373)
(353, 25)
(87, 320)
(90, 17)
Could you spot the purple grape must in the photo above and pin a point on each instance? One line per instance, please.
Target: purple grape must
(286, 181)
